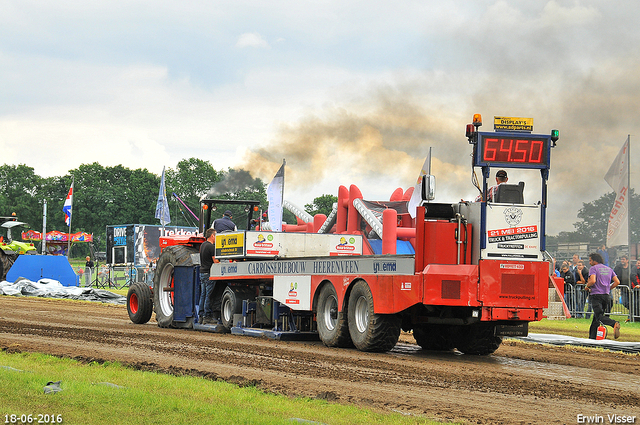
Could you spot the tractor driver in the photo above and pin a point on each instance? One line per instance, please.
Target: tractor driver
(224, 224)
(501, 177)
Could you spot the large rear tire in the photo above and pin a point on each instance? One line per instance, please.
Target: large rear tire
(370, 331)
(478, 339)
(171, 257)
(333, 326)
(7, 261)
(433, 337)
(139, 303)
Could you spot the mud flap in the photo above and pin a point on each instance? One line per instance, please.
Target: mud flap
(513, 329)
(186, 284)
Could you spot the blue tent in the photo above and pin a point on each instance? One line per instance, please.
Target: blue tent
(36, 267)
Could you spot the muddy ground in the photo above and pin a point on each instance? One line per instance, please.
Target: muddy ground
(520, 383)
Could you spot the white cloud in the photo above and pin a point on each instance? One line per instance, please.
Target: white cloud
(252, 39)
(119, 82)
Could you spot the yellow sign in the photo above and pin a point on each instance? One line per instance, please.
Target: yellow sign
(513, 123)
(230, 244)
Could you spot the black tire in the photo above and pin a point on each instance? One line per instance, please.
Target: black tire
(333, 326)
(231, 304)
(370, 331)
(172, 256)
(7, 261)
(478, 339)
(433, 337)
(139, 303)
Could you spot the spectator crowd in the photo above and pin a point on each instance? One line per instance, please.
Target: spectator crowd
(575, 273)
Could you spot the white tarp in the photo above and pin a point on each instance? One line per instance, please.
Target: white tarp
(608, 344)
(50, 288)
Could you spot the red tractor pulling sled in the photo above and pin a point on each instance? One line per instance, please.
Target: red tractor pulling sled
(458, 275)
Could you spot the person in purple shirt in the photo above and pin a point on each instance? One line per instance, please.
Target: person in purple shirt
(599, 285)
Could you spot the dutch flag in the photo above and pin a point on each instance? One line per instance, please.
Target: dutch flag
(67, 206)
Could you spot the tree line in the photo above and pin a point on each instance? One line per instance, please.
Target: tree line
(118, 195)
(593, 219)
(110, 195)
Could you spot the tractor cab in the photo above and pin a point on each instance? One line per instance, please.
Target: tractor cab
(7, 243)
(207, 209)
(507, 226)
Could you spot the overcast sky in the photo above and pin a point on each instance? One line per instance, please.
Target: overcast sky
(348, 92)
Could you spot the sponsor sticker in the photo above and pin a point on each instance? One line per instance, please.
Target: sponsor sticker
(229, 244)
(510, 246)
(384, 266)
(512, 234)
(346, 245)
(293, 291)
(513, 123)
(262, 246)
(513, 216)
(512, 266)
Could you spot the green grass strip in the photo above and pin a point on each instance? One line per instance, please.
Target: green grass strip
(111, 393)
(579, 328)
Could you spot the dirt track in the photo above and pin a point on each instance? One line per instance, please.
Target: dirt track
(520, 383)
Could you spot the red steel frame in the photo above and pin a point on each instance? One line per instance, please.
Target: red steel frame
(501, 289)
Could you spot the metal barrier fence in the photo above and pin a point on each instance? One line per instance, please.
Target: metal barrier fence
(624, 302)
(114, 277)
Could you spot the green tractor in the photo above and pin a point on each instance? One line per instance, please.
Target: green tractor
(10, 249)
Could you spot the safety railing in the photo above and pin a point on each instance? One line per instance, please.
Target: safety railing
(624, 302)
(113, 277)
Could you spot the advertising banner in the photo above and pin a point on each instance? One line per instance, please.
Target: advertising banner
(618, 178)
(513, 231)
(293, 291)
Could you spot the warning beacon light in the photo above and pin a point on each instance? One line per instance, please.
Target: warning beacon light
(477, 120)
(470, 130)
(555, 135)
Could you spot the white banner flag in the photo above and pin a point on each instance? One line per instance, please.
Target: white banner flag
(162, 206)
(618, 178)
(416, 197)
(275, 192)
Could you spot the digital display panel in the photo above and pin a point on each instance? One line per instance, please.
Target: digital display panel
(515, 150)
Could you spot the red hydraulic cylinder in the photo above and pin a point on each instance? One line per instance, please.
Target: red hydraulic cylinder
(318, 221)
(389, 231)
(353, 220)
(343, 208)
(404, 233)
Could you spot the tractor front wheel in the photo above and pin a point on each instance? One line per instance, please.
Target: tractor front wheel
(139, 303)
